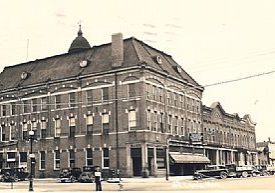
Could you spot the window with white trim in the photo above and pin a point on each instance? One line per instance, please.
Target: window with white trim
(149, 121)
(154, 121)
(106, 159)
(71, 158)
(89, 157)
(25, 131)
(131, 90)
(23, 158)
(13, 108)
(72, 100)
(44, 102)
(57, 102)
(161, 123)
(56, 159)
(25, 106)
(72, 126)
(34, 105)
(105, 94)
(132, 119)
(34, 129)
(4, 134)
(42, 163)
(43, 126)
(169, 123)
(89, 123)
(4, 110)
(57, 127)
(89, 94)
(148, 91)
(12, 132)
(105, 123)
(176, 131)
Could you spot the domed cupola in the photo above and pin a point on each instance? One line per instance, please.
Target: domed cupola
(80, 43)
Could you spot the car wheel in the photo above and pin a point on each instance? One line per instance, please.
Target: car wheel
(254, 174)
(244, 174)
(223, 175)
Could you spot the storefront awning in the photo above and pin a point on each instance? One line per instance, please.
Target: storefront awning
(188, 158)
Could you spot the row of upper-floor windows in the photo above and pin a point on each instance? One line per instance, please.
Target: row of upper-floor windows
(172, 98)
(229, 138)
(11, 132)
(159, 122)
(61, 101)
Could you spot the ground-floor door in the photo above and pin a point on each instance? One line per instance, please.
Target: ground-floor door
(137, 166)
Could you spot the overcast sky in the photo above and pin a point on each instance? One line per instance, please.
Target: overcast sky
(213, 40)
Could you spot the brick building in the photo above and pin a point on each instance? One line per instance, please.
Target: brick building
(228, 138)
(266, 152)
(121, 105)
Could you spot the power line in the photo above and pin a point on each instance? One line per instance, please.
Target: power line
(239, 79)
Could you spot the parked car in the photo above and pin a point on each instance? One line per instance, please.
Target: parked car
(87, 175)
(14, 174)
(216, 171)
(69, 175)
(241, 171)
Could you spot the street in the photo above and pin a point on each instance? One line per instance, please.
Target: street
(149, 184)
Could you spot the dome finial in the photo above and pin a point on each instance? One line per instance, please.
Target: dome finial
(79, 33)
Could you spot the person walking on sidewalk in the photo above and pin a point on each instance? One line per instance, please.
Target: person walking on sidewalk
(98, 179)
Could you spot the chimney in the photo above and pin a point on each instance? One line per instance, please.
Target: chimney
(117, 50)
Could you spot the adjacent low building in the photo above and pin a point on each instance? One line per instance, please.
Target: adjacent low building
(266, 152)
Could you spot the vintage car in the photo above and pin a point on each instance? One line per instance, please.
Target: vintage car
(69, 175)
(242, 171)
(14, 174)
(87, 175)
(216, 171)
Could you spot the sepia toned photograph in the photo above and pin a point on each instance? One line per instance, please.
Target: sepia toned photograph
(141, 95)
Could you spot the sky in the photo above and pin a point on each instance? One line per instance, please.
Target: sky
(213, 40)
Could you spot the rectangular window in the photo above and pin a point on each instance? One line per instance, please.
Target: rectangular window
(132, 117)
(175, 99)
(89, 96)
(25, 106)
(13, 108)
(105, 123)
(181, 101)
(176, 126)
(12, 132)
(105, 94)
(161, 123)
(182, 132)
(56, 160)
(57, 102)
(106, 160)
(72, 100)
(71, 158)
(23, 157)
(34, 129)
(72, 126)
(160, 92)
(34, 105)
(57, 127)
(155, 122)
(44, 104)
(4, 110)
(89, 123)
(148, 91)
(25, 131)
(42, 164)
(149, 121)
(154, 89)
(89, 157)
(4, 136)
(169, 122)
(169, 98)
(43, 129)
(131, 90)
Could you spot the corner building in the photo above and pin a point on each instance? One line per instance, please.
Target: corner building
(121, 105)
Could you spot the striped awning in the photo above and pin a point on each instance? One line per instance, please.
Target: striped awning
(188, 158)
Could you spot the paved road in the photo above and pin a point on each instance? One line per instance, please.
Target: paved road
(151, 184)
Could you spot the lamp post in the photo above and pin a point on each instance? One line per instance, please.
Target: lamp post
(31, 135)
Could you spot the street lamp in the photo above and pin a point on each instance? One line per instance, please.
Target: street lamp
(32, 158)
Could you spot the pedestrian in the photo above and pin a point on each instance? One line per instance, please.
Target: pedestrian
(98, 179)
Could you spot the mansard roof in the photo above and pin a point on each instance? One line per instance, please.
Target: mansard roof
(66, 66)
